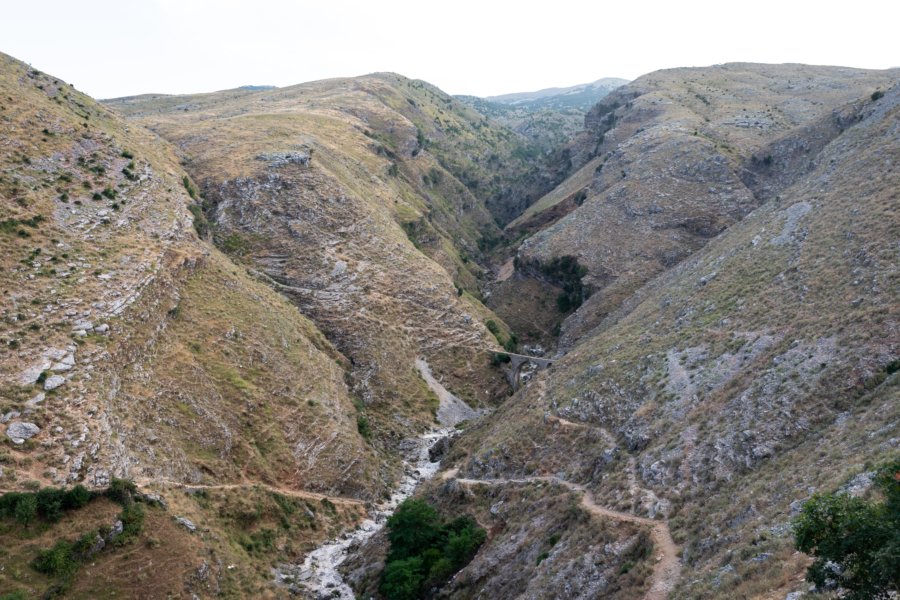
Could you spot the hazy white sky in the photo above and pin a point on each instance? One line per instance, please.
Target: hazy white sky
(113, 48)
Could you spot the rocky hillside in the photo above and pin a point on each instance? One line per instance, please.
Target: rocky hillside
(247, 303)
(131, 348)
(757, 371)
(356, 199)
(668, 162)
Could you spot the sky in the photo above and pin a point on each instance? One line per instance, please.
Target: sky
(111, 48)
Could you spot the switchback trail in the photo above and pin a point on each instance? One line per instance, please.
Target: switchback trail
(667, 568)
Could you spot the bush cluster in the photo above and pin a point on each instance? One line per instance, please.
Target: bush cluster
(425, 551)
(855, 542)
(64, 557)
(567, 273)
(48, 504)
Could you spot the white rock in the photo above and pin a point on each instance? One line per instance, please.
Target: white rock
(10, 415)
(53, 382)
(38, 398)
(31, 374)
(18, 432)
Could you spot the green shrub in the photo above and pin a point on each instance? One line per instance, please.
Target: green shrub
(58, 561)
(201, 225)
(26, 509)
(499, 358)
(121, 491)
(402, 579)
(192, 192)
(424, 551)
(362, 425)
(12, 225)
(566, 272)
(76, 497)
(861, 537)
(132, 517)
(877, 95)
(50, 503)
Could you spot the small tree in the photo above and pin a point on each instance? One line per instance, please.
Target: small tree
(412, 529)
(855, 542)
(402, 579)
(26, 509)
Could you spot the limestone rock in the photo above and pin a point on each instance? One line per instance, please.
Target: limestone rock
(53, 382)
(20, 431)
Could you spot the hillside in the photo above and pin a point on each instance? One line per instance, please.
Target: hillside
(133, 349)
(731, 388)
(355, 198)
(668, 162)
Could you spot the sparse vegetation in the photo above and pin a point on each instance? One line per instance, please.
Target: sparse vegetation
(566, 272)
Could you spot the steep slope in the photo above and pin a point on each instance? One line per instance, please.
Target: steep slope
(354, 198)
(668, 161)
(735, 385)
(133, 349)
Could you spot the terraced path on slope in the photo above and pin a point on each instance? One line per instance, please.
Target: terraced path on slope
(667, 568)
(251, 485)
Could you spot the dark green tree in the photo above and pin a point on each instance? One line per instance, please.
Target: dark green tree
(402, 579)
(855, 542)
(426, 552)
(413, 528)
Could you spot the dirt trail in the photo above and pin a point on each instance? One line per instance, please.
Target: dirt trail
(667, 568)
(234, 486)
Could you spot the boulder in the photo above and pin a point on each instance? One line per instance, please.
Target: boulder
(19, 431)
(53, 382)
(186, 523)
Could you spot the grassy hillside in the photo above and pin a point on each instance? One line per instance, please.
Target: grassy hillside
(131, 348)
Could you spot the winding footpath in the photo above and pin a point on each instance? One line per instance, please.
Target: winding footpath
(667, 569)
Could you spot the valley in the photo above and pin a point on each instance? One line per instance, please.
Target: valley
(625, 330)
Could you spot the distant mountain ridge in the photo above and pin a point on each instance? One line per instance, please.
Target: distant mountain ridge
(583, 95)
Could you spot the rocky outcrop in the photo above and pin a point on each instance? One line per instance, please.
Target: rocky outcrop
(683, 154)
